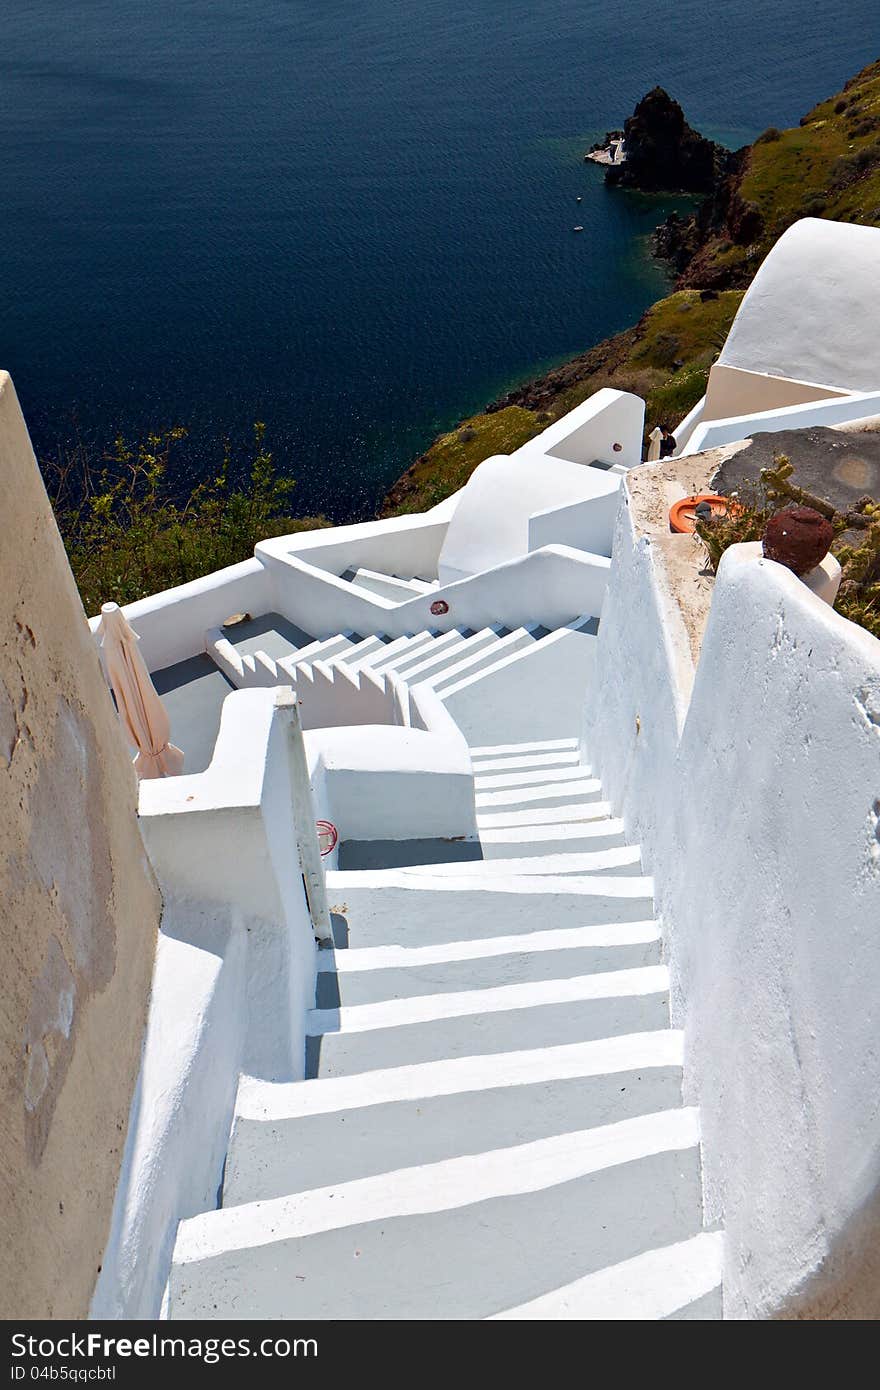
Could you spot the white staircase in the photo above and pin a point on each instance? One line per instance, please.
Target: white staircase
(493, 1125)
(393, 586)
(493, 679)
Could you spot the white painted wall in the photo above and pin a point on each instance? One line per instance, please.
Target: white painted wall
(587, 525)
(491, 524)
(755, 797)
(548, 586)
(383, 783)
(711, 434)
(227, 836)
(733, 391)
(172, 625)
(685, 429)
(182, 1109)
(406, 545)
(409, 781)
(811, 311)
(605, 428)
(234, 978)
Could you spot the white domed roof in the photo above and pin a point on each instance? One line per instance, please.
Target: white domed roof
(812, 313)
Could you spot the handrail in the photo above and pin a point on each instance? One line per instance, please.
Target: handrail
(307, 844)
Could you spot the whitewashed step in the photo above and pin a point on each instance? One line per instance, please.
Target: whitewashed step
(526, 762)
(289, 1138)
(481, 1003)
(471, 664)
(668, 1283)
(546, 794)
(440, 657)
(520, 841)
(386, 585)
(578, 952)
(452, 638)
(522, 1221)
(619, 859)
(547, 745)
(365, 647)
(394, 651)
(485, 782)
(421, 586)
(320, 649)
(568, 814)
(533, 694)
(388, 906)
(499, 1019)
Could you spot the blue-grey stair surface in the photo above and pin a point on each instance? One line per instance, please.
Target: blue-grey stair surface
(492, 1122)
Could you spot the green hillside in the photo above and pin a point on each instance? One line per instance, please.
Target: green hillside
(828, 166)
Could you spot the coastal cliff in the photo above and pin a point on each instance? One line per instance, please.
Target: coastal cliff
(827, 166)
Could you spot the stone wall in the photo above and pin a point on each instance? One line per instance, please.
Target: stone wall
(79, 913)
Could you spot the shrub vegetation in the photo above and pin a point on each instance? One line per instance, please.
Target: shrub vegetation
(129, 534)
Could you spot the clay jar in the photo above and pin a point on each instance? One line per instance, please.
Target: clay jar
(798, 538)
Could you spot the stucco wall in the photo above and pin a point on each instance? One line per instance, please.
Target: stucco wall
(733, 391)
(79, 911)
(491, 523)
(811, 311)
(752, 784)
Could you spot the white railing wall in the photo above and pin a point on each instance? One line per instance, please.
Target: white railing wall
(753, 786)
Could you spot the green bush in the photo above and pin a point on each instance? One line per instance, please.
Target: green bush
(127, 535)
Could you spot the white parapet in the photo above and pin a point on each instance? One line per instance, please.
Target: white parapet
(409, 781)
(752, 785)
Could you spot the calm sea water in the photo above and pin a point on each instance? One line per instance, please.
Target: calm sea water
(349, 218)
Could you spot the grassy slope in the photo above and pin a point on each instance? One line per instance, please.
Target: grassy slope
(665, 358)
(827, 166)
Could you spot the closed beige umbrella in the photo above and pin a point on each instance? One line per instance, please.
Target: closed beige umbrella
(140, 709)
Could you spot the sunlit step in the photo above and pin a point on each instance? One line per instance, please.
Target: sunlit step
(484, 782)
(585, 1200)
(547, 745)
(310, 1133)
(563, 793)
(681, 1280)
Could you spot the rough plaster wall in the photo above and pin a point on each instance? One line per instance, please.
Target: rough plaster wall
(759, 816)
(79, 912)
(780, 757)
(733, 391)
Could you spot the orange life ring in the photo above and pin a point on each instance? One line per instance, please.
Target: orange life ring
(681, 514)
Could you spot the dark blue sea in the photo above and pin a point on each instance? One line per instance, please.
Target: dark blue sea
(349, 218)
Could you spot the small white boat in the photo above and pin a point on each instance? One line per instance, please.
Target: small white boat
(577, 229)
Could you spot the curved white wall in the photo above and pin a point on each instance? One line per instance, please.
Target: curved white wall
(812, 310)
(490, 525)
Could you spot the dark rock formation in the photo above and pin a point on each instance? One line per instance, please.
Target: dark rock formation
(798, 538)
(664, 154)
(721, 213)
